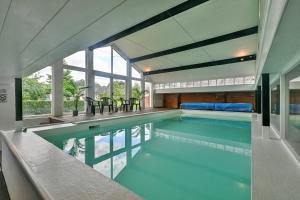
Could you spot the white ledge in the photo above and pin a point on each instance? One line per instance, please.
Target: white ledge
(56, 175)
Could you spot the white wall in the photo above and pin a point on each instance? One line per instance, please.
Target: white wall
(18, 184)
(7, 109)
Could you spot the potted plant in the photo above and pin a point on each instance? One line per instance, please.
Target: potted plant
(78, 93)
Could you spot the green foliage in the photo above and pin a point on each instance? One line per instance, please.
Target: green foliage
(35, 89)
(119, 89)
(136, 91)
(38, 107)
(69, 105)
(73, 89)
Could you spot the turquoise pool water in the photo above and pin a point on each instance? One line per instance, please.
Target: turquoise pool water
(176, 158)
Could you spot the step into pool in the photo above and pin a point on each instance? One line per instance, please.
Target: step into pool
(176, 158)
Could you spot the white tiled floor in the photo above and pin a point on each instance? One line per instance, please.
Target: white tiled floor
(276, 174)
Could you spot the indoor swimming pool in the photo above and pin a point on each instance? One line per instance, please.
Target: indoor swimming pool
(181, 157)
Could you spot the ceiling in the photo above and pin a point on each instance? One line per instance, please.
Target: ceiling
(285, 50)
(36, 33)
(211, 19)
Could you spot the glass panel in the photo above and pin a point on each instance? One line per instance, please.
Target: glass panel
(135, 73)
(229, 81)
(293, 133)
(119, 90)
(102, 87)
(197, 84)
(37, 92)
(102, 59)
(172, 85)
(220, 82)
(212, 83)
(204, 83)
(119, 162)
(74, 81)
(156, 86)
(119, 139)
(239, 81)
(249, 80)
(75, 147)
(177, 85)
(104, 167)
(148, 95)
(190, 84)
(161, 86)
(135, 135)
(134, 151)
(136, 89)
(183, 84)
(102, 144)
(167, 85)
(275, 106)
(77, 59)
(119, 64)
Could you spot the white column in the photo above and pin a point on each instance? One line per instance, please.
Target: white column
(284, 101)
(57, 89)
(7, 104)
(143, 90)
(128, 84)
(89, 75)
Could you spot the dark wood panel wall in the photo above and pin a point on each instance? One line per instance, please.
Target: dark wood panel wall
(295, 96)
(174, 100)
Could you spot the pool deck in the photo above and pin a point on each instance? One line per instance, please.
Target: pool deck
(83, 117)
(275, 171)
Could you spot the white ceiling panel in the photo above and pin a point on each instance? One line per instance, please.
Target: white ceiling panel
(164, 35)
(219, 17)
(154, 64)
(233, 48)
(4, 5)
(124, 16)
(189, 57)
(221, 71)
(25, 18)
(67, 23)
(192, 56)
(131, 48)
(285, 50)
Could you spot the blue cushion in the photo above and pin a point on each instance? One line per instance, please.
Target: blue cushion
(198, 106)
(233, 107)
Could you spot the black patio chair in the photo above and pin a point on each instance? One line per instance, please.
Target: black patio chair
(124, 104)
(106, 101)
(92, 103)
(134, 102)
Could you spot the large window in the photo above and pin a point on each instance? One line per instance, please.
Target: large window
(37, 93)
(148, 95)
(74, 83)
(102, 59)
(119, 64)
(136, 89)
(77, 59)
(135, 73)
(119, 90)
(275, 105)
(102, 87)
(293, 133)
(248, 80)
